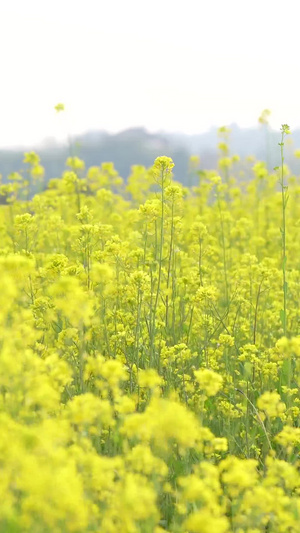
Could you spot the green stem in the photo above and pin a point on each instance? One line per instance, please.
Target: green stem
(161, 244)
(169, 265)
(223, 248)
(284, 200)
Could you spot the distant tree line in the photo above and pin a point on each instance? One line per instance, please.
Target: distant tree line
(137, 146)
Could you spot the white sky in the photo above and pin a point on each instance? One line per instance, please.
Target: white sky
(163, 64)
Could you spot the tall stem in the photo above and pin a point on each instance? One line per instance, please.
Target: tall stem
(284, 200)
(161, 244)
(169, 265)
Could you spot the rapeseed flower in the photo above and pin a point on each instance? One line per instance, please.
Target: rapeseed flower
(209, 381)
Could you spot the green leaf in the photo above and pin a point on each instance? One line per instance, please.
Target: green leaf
(248, 369)
(285, 371)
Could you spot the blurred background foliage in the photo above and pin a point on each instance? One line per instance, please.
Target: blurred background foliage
(142, 147)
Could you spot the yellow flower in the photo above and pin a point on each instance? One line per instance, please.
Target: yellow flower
(209, 381)
(32, 158)
(204, 521)
(59, 107)
(149, 378)
(271, 404)
(164, 163)
(75, 163)
(263, 119)
(37, 171)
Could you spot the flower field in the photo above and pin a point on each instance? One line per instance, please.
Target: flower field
(150, 349)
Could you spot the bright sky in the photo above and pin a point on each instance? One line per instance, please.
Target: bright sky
(163, 64)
